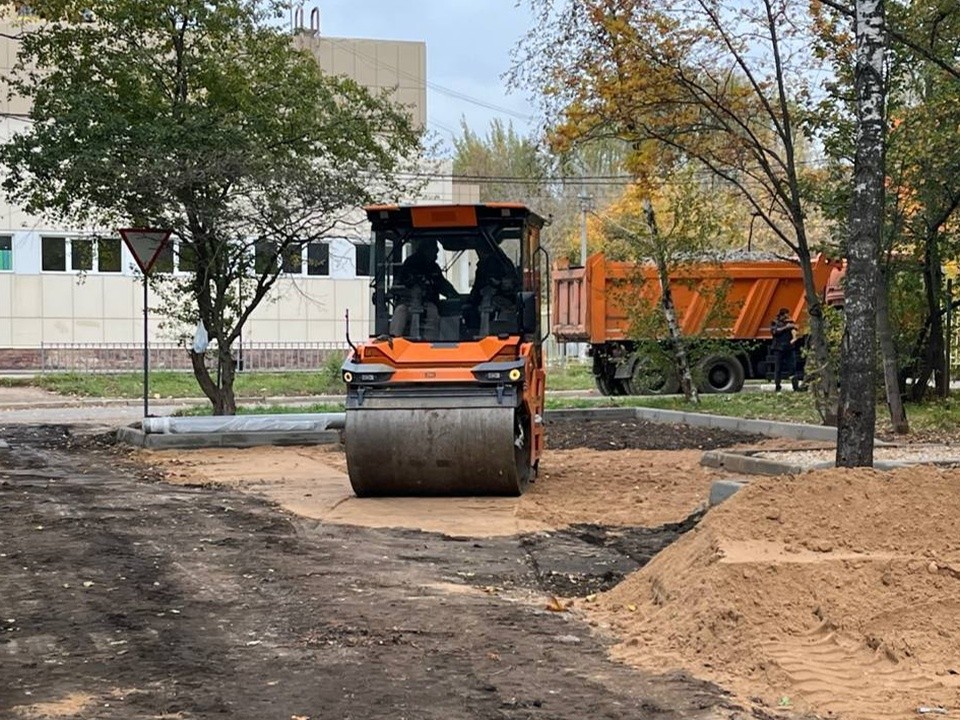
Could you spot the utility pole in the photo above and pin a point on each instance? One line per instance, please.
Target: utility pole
(586, 204)
(753, 216)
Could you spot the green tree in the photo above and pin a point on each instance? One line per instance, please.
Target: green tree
(671, 224)
(203, 118)
(923, 165)
(510, 167)
(507, 166)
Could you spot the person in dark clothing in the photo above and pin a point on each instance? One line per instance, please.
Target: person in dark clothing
(494, 288)
(422, 283)
(784, 356)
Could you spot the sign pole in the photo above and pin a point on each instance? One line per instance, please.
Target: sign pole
(145, 244)
(146, 353)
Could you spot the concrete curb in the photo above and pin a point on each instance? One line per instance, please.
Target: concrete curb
(720, 490)
(772, 428)
(742, 463)
(746, 463)
(730, 461)
(157, 441)
(611, 413)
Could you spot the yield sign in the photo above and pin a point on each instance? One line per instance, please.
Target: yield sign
(145, 245)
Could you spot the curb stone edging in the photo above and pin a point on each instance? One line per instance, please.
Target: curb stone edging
(740, 463)
(156, 441)
(720, 490)
(772, 428)
(730, 461)
(606, 413)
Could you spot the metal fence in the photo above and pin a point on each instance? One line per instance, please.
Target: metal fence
(120, 357)
(251, 356)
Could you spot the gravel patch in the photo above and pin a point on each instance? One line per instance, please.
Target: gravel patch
(908, 454)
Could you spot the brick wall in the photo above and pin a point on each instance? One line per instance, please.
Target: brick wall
(19, 359)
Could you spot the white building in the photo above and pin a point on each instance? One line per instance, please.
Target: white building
(63, 296)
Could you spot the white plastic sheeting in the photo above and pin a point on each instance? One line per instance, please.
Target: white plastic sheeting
(303, 422)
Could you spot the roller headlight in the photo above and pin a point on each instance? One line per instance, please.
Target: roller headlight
(347, 376)
(514, 374)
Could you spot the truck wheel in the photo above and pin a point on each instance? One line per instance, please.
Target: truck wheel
(721, 374)
(652, 376)
(603, 384)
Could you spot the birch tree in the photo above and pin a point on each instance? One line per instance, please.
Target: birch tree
(857, 416)
(922, 165)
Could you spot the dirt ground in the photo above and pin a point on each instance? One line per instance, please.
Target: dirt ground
(635, 487)
(252, 584)
(128, 596)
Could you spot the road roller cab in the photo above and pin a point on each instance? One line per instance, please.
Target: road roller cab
(446, 395)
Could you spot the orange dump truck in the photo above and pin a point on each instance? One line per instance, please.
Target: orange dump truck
(733, 300)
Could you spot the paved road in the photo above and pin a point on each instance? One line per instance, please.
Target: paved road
(32, 406)
(114, 415)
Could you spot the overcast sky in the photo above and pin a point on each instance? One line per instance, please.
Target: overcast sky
(468, 49)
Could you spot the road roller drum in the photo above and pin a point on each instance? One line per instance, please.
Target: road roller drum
(437, 451)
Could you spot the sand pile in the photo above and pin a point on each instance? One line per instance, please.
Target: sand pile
(837, 592)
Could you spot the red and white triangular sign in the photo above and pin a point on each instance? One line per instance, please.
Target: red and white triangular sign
(145, 245)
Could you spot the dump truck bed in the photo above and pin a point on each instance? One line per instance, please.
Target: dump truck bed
(591, 303)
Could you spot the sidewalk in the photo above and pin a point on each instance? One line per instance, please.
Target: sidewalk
(33, 405)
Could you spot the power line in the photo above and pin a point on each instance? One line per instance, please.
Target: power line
(597, 180)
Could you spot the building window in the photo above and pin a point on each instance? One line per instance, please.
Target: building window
(108, 255)
(164, 261)
(363, 256)
(53, 252)
(265, 257)
(318, 258)
(81, 255)
(60, 254)
(293, 260)
(6, 253)
(186, 258)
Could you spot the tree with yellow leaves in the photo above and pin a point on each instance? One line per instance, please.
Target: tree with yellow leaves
(724, 86)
